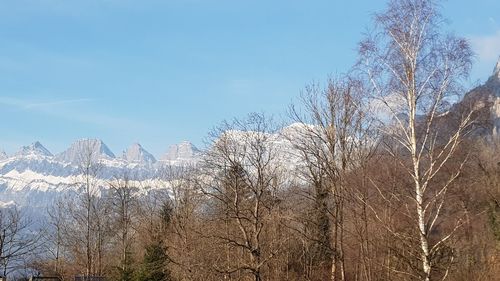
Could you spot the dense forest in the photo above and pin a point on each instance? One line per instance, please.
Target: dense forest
(386, 177)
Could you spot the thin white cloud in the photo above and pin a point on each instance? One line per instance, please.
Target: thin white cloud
(57, 103)
(71, 109)
(487, 47)
(27, 104)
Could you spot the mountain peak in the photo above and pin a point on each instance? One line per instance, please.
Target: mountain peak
(136, 145)
(35, 148)
(182, 151)
(136, 153)
(3, 155)
(493, 83)
(95, 147)
(496, 72)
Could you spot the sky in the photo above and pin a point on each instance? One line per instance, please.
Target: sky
(161, 72)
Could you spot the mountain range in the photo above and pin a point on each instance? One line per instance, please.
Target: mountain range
(178, 154)
(34, 175)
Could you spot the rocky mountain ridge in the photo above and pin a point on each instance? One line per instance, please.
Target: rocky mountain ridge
(34, 173)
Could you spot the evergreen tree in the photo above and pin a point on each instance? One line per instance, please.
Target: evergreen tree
(155, 262)
(154, 265)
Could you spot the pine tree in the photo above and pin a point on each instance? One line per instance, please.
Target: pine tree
(155, 262)
(154, 265)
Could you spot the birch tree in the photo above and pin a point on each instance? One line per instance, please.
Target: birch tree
(415, 70)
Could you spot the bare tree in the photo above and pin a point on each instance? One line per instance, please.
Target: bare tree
(332, 138)
(155, 214)
(86, 228)
(243, 179)
(18, 239)
(57, 220)
(183, 242)
(89, 166)
(124, 208)
(415, 72)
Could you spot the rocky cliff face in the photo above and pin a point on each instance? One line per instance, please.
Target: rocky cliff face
(93, 148)
(182, 152)
(34, 149)
(137, 154)
(485, 100)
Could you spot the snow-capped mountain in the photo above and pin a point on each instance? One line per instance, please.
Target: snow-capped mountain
(94, 148)
(183, 153)
(34, 176)
(137, 154)
(34, 149)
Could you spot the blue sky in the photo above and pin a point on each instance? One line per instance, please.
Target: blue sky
(160, 72)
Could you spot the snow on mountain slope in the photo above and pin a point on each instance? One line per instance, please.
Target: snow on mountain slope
(34, 174)
(6, 205)
(34, 177)
(35, 168)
